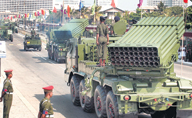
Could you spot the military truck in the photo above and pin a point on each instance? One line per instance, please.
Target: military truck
(32, 42)
(58, 38)
(3, 35)
(139, 76)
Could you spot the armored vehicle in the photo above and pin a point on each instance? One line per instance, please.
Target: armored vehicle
(58, 38)
(32, 42)
(5, 32)
(139, 76)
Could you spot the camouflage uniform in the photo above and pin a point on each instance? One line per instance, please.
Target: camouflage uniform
(13, 29)
(8, 97)
(102, 30)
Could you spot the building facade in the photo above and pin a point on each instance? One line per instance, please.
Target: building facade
(73, 4)
(25, 6)
(168, 3)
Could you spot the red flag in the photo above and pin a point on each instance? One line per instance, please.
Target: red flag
(55, 10)
(35, 14)
(42, 12)
(25, 15)
(11, 18)
(185, 1)
(68, 11)
(113, 4)
(140, 3)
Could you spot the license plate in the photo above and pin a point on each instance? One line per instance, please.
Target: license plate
(28, 42)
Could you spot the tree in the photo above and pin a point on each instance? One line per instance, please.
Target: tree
(118, 14)
(161, 7)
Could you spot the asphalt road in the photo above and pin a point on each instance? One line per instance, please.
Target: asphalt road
(33, 70)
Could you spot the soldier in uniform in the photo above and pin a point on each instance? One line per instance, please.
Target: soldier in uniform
(33, 33)
(7, 94)
(13, 29)
(112, 28)
(102, 41)
(45, 107)
(5, 32)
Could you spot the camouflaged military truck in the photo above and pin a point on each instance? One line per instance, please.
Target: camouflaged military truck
(32, 42)
(5, 32)
(58, 38)
(139, 76)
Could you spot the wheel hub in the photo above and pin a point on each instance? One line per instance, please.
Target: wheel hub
(99, 103)
(111, 110)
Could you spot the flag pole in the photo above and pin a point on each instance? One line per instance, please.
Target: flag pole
(63, 13)
(182, 43)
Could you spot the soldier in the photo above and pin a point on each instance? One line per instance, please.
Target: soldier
(102, 41)
(111, 28)
(45, 107)
(33, 33)
(6, 32)
(7, 94)
(13, 29)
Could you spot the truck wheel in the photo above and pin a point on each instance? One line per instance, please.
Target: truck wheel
(87, 103)
(158, 114)
(39, 48)
(171, 112)
(52, 56)
(100, 102)
(111, 105)
(74, 89)
(16, 31)
(11, 38)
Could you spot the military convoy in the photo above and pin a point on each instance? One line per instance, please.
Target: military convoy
(32, 42)
(139, 75)
(58, 38)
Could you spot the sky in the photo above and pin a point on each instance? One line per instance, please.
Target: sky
(124, 4)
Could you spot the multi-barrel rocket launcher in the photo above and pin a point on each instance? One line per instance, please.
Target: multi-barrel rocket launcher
(58, 43)
(149, 48)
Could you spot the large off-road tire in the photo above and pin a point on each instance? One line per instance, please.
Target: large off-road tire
(87, 103)
(74, 89)
(112, 105)
(52, 56)
(158, 114)
(11, 38)
(100, 102)
(16, 31)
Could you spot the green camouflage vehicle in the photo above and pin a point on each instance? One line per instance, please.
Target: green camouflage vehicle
(5, 32)
(32, 42)
(58, 38)
(13, 27)
(139, 76)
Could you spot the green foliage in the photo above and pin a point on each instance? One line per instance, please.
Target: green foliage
(161, 7)
(118, 14)
(108, 21)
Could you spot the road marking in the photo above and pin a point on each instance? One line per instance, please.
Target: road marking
(10, 44)
(18, 44)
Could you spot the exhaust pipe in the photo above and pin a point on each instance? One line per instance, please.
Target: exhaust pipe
(111, 49)
(116, 49)
(116, 53)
